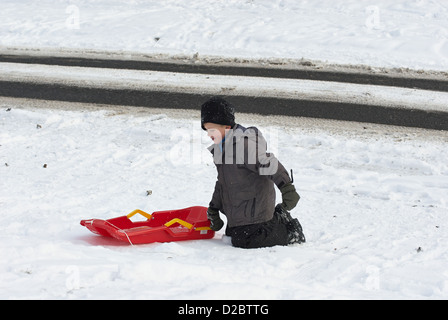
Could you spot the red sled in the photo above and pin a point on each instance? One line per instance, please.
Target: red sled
(161, 226)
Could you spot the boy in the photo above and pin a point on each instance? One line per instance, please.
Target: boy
(244, 190)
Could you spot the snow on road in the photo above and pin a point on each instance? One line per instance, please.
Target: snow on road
(373, 208)
(83, 77)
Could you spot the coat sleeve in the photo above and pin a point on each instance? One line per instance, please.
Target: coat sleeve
(216, 202)
(257, 159)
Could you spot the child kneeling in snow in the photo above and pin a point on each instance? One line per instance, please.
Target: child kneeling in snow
(244, 190)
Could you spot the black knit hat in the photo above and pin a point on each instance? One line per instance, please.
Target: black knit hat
(217, 110)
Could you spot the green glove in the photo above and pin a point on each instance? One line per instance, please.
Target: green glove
(290, 197)
(215, 221)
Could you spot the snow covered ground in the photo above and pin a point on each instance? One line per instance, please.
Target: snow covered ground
(373, 208)
(373, 202)
(401, 33)
(206, 84)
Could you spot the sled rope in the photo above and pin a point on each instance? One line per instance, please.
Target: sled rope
(123, 232)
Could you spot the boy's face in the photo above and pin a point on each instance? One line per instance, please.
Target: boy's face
(216, 132)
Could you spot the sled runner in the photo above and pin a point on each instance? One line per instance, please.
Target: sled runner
(161, 226)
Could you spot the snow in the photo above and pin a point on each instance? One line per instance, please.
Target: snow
(403, 33)
(229, 85)
(373, 204)
(373, 208)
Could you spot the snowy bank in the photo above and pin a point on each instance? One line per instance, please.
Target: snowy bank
(398, 34)
(373, 208)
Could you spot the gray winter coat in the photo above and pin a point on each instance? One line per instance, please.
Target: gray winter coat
(244, 190)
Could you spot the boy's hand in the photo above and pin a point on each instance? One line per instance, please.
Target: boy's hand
(215, 221)
(290, 196)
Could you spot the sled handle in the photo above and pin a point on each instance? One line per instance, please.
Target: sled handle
(143, 213)
(185, 224)
(179, 221)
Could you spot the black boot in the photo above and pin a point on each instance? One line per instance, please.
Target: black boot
(295, 231)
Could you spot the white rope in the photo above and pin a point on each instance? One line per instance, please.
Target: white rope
(121, 231)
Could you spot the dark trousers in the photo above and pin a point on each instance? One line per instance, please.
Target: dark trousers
(266, 234)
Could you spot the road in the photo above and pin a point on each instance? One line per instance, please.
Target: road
(354, 95)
